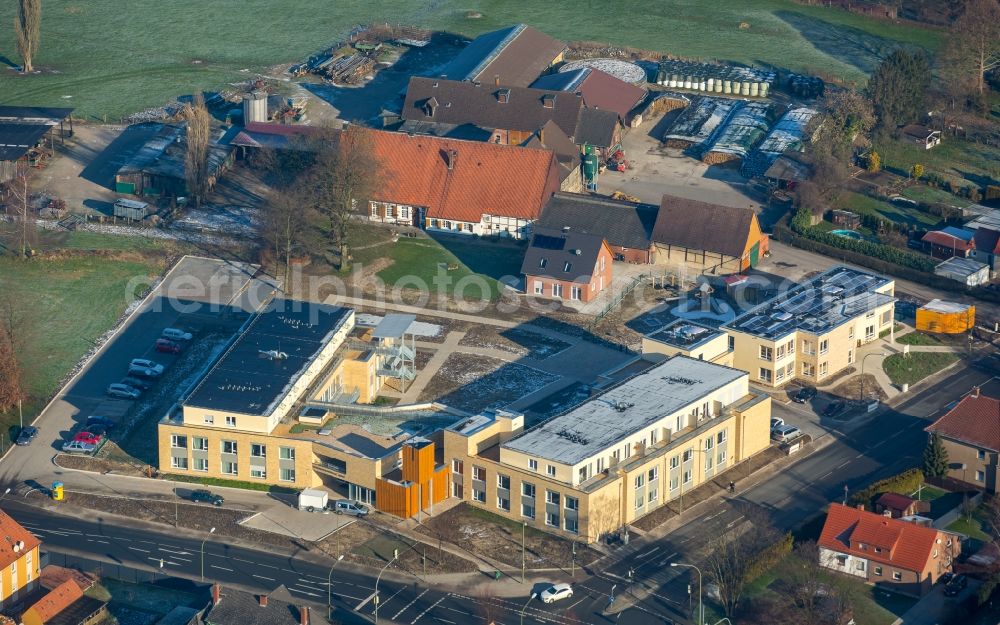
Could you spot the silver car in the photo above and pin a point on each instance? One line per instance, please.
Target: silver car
(142, 363)
(556, 592)
(122, 391)
(348, 507)
(78, 447)
(176, 335)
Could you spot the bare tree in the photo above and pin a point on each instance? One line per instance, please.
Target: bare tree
(20, 193)
(11, 377)
(974, 45)
(27, 29)
(196, 158)
(343, 179)
(285, 227)
(490, 607)
(732, 557)
(806, 582)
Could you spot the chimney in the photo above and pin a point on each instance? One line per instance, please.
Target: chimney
(541, 136)
(565, 229)
(861, 507)
(496, 79)
(548, 101)
(975, 392)
(216, 594)
(450, 156)
(263, 600)
(503, 96)
(303, 615)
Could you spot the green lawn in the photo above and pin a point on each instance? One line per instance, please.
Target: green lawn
(973, 528)
(913, 367)
(964, 162)
(930, 195)
(930, 493)
(65, 305)
(918, 338)
(865, 205)
(108, 58)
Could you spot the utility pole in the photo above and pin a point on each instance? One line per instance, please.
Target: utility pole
(524, 524)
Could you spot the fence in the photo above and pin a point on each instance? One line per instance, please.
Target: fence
(619, 297)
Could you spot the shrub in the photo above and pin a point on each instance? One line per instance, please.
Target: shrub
(917, 171)
(992, 192)
(903, 483)
(986, 590)
(770, 557)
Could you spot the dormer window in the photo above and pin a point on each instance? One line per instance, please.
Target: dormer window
(430, 106)
(549, 101)
(503, 96)
(543, 262)
(567, 266)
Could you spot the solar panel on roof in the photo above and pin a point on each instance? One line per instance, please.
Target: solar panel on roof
(545, 242)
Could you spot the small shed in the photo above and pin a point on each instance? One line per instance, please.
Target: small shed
(845, 219)
(922, 135)
(895, 505)
(945, 317)
(133, 210)
(964, 270)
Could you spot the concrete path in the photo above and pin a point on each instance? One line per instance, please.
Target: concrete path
(344, 300)
(433, 365)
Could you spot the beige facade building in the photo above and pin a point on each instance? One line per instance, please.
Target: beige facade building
(689, 339)
(813, 330)
(615, 458)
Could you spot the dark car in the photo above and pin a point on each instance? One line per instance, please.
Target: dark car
(946, 577)
(95, 421)
(206, 496)
(139, 383)
(804, 394)
(834, 409)
(955, 586)
(28, 433)
(165, 346)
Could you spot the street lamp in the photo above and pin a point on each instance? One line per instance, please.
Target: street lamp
(387, 564)
(329, 587)
(524, 524)
(701, 604)
(862, 397)
(210, 532)
(526, 607)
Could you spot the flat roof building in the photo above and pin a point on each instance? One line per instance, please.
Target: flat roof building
(690, 339)
(812, 330)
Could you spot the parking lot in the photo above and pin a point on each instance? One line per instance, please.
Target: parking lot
(198, 294)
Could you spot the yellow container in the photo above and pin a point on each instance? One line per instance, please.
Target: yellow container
(57, 491)
(946, 317)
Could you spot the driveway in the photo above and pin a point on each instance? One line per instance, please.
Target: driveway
(82, 172)
(934, 608)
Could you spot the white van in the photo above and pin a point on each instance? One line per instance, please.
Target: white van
(313, 499)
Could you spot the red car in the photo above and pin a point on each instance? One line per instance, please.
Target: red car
(87, 437)
(167, 347)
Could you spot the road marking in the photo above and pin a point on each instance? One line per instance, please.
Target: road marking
(358, 607)
(643, 555)
(138, 549)
(221, 568)
(303, 592)
(103, 542)
(573, 605)
(407, 606)
(443, 620)
(270, 579)
(163, 562)
(180, 553)
(429, 608)
(719, 513)
(823, 477)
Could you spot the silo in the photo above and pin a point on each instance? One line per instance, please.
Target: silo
(755, 89)
(254, 107)
(590, 162)
(727, 86)
(744, 88)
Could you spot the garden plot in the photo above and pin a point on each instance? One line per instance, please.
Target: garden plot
(514, 341)
(476, 383)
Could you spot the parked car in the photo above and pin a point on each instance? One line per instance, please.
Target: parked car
(165, 346)
(78, 447)
(804, 394)
(175, 334)
(834, 408)
(955, 585)
(785, 433)
(137, 383)
(123, 391)
(94, 421)
(206, 496)
(142, 372)
(556, 592)
(776, 422)
(27, 434)
(348, 507)
(147, 364)
(946, 577)
(91, 438)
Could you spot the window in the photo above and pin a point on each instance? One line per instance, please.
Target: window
(479, 473)
(527, 510)
(779, 353)
(539, 287)
(503, 481)
(557, 290)
(897, 576)
(709, 443)
(824, 346)
(199, 443)
(231, 422)
(533, 464)
(652, 437)
(567, 266)
(674, 462)
(179, 463)
(732, 343)
(457, 466)
(388, 210)
(551, 497)
(886, 317)
(654, 474)
(640, 480)
(687, 455)
(528, 490)
(258, 472)
(808, 369)
(572, 503)
(574, 293)
(981, 454)
(822, 368)
(980, 476)
(209, 419)
(766, 353)
(503, 504)
(878, 571)
(201, 464)
(374, 208)
(791, 347)
(178, 442)
(479, 495)
(860, 565)
(602, 263)
(640, 500)
(628, 451)
(765, 374)
(721, 437)
(687, 476)
(850, 333)
(551, 470)
(404, 212)
(582, 473)
(600, 465)
(673, 483)
(869, 332)
(780, 374)
(229, 447)
(850, 356)
(258, 450)
(807, 348)
(229, 468)
(552, 519)
(653, 495)
(572, 525)
(722, 458)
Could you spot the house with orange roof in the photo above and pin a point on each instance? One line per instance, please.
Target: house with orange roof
(900, 555)
(970, 433)
(19, 562)
(461, 187)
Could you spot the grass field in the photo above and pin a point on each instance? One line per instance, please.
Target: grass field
(918, 338)
(864, 205)
(963, 162)
(67, 304)
(911, 368)
(108, 58)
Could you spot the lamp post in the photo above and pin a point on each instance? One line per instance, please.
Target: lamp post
(701, 604)
(862, 397)
(210, 532)
(524, 524)
(525, 607)
(329, 587)
(377, 579)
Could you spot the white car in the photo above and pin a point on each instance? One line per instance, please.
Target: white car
(142, 363)
(556, 592)
(78, 447)
(123, 391)
(785, 433)
(176, 335)
(776, 422)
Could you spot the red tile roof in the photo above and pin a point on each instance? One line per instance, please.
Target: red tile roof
(894, 501)
(57, 600)
(975, 421)
(485, 178)
(944, 239)
(857, 532)
(11, 534)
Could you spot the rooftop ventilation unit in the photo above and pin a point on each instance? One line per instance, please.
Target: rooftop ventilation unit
(676, 379)
(273, 354)
(573, 437)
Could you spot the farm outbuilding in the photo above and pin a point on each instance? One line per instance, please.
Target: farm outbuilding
(964, 270)
(157, 168)
(513, 56)
(23, 134)
(946, 317)
(698, 122)
(740, 132)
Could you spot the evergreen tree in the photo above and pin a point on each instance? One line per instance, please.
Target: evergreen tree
(898, 89)
(935, 457)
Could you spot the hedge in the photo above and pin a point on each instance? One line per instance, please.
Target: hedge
(879, 251)
(986, 590)
(903, 483)
(769, 557)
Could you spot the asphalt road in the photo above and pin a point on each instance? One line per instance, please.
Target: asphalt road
(889, 443)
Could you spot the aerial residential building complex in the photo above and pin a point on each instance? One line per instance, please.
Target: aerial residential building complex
(813, 330)
(970, 432)
(614, 458)
(19, 563)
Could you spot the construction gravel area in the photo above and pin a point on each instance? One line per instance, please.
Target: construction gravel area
(516, 341)
(475, 383)
(499, 539)
(371, 545)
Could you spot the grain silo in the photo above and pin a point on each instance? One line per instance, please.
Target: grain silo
(255, 107)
